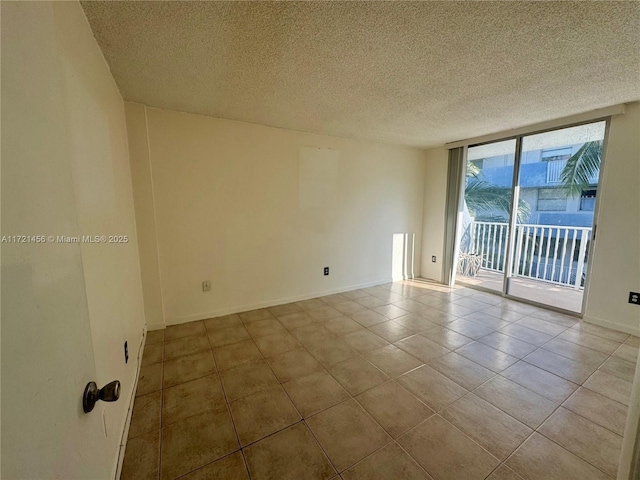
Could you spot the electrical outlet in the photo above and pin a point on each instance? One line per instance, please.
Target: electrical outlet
(326, 271)
(634, 297)
(126, 352)
(206, 286)
(433, 259)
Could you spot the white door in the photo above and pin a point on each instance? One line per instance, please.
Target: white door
(47, 352)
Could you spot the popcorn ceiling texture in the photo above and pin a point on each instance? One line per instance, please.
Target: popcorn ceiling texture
(411, 73)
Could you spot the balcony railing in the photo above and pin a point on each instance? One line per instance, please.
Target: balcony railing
(554, 254)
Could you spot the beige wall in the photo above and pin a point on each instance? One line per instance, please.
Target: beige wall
(231, 208)
(615, 266)
(435, 198)
(67, 308)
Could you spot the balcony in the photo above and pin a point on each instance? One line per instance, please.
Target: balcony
(549, 261)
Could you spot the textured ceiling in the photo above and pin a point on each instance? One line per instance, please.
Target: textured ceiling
(411, 73)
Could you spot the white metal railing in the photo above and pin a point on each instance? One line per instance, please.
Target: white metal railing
(549, 253)
(554, 169)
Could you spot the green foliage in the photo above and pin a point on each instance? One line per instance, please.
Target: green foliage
(581, 167)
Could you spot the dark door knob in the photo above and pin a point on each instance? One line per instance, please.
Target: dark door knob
(109, 393)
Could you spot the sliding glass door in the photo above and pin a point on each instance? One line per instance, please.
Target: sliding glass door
(528, 212)
(485, 214)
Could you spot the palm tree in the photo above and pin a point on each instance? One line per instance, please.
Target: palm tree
(481, 195)
(582, 167)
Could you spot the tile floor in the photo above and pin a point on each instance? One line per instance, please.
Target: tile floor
(409, 380)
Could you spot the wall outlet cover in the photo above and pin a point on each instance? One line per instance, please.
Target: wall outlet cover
(326, 271)
(433, 258)
(206, 286)
(634, 297)
(126, 352)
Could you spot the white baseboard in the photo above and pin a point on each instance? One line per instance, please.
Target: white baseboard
(272, 303)
(127, 423)
(621, 327)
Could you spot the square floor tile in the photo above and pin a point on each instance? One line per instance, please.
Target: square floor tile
(619, 367)
(580, 436)
(315, 392)
(392, 360)
(330, 352)
(522, 404)
(280, 310)
(293, 364)
(195, 441)
(246, 379)
(363, 340)
(576, 372)
(276, 457)
(334, 299)
(461, 370)
(391, 331)
(368, 318)
(348, 307)
(185, 346)
(312, 333)
(342, 325)
(601, 332)
(326, 312)
(155, 337)
(600, 409)
(494, 430)
(228, 335)
(347, 433)
(262, 328)
(184, 330)
(487, 356)
(504, 473)
(541, 325)
(627, 352)
(225, 321)
(527, 335)
(438, 316)
(446, 453)
(414, 322)
(262, 414)
(371, 301)
(556, 389)
(588, 340)
(142, 457)
(394, 408)
(390, 462)
(149, 379)
(236, 354)
(277, 343)
(542, 459)
(610, 386)
(576, 352)
(357, 375)
(310, 304)
(153, 354)
(421, 347)
(255, 315)
(231, 467)
(469, 329)
(191, 398)
(146, 414)
(390, 311)
(189, 367)
(485, 319)
(434, 389)
(445, 337)
(507, 344)
(295, 320)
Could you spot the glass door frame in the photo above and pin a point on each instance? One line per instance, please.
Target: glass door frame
(513, 218)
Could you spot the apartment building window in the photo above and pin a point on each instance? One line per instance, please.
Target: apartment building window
(554, 154)
(588, 200)
(552, 199)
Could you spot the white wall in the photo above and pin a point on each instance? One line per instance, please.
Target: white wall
(67, 308)
(435, 199)
(615, 266)
(229, 209)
